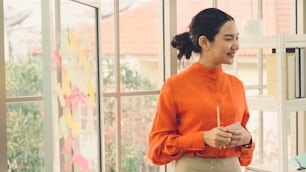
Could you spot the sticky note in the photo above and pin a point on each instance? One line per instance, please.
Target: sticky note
(91, 93)
(72, 123)
(73, 40)
(65, 84)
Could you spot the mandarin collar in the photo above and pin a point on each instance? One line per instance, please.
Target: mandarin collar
(205, 71)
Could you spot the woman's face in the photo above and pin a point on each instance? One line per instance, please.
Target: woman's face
(222, 50)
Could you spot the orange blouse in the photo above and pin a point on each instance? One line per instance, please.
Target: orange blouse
(187, 107)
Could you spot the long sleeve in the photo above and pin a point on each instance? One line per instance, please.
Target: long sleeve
(246, 155)
(165, 142)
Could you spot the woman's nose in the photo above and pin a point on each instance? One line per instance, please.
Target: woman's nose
(235, 45)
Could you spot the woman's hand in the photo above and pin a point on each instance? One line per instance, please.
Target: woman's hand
(239, 137)
(218, 137)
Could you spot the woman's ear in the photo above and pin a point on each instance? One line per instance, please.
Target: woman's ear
(203, 42)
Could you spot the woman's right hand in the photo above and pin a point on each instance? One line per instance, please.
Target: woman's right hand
(217, 137)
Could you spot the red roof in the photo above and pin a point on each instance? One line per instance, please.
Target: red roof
(138, 31)
(139, 27)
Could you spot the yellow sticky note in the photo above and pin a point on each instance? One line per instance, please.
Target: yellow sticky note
(73, 40)
(72, 123)
(83, 60)
(65, 84)
(91, 93)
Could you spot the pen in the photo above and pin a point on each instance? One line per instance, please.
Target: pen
(218, 121)
(218, 116)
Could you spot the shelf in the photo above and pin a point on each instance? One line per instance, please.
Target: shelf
(291, 41)
(280, 105)
(258, 41)
(262, 103)
(296, 105)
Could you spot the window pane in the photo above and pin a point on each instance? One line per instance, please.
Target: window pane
(109, 131)
(268, 156)
(139, 45)
(276, 16)
(186, 9)
(22, 20)
(107, 46)
(25, 136)
(138, 56)
(76, 88)
(137, 116)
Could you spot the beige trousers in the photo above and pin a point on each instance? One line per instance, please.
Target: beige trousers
(197, 164)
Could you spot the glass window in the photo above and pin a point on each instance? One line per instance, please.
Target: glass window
(76, 85)
(23, 80)
(139, 67)
(23, 60)
(139, 40)
(137, 116)
(186, 9)
(25, 136)
(109, 133)
(138, 45)
(276, 16)
(107, 46)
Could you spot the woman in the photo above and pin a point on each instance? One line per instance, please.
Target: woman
(202, 113)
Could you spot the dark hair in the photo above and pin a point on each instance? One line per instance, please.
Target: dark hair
(208, 23)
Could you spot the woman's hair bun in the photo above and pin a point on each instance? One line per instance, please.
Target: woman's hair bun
(183, 44)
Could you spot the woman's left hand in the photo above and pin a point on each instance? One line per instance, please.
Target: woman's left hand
(239, 137)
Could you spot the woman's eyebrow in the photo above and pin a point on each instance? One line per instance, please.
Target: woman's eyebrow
(230, 35)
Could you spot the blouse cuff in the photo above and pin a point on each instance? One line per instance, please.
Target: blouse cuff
(191, 141)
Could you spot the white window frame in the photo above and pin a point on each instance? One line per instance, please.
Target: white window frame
(3, 140)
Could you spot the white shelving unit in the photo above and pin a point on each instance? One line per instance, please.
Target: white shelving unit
(279, 104)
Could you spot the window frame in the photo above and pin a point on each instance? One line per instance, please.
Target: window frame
(3, 140)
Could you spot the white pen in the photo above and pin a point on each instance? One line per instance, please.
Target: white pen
(218, 116)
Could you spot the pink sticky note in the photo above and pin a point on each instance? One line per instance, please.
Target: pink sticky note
(77, 158)
(58, 60)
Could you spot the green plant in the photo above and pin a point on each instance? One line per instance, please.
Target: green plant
(24, 133)
(24, 120)
(25, 123)
(136, 117)
(23, 77)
